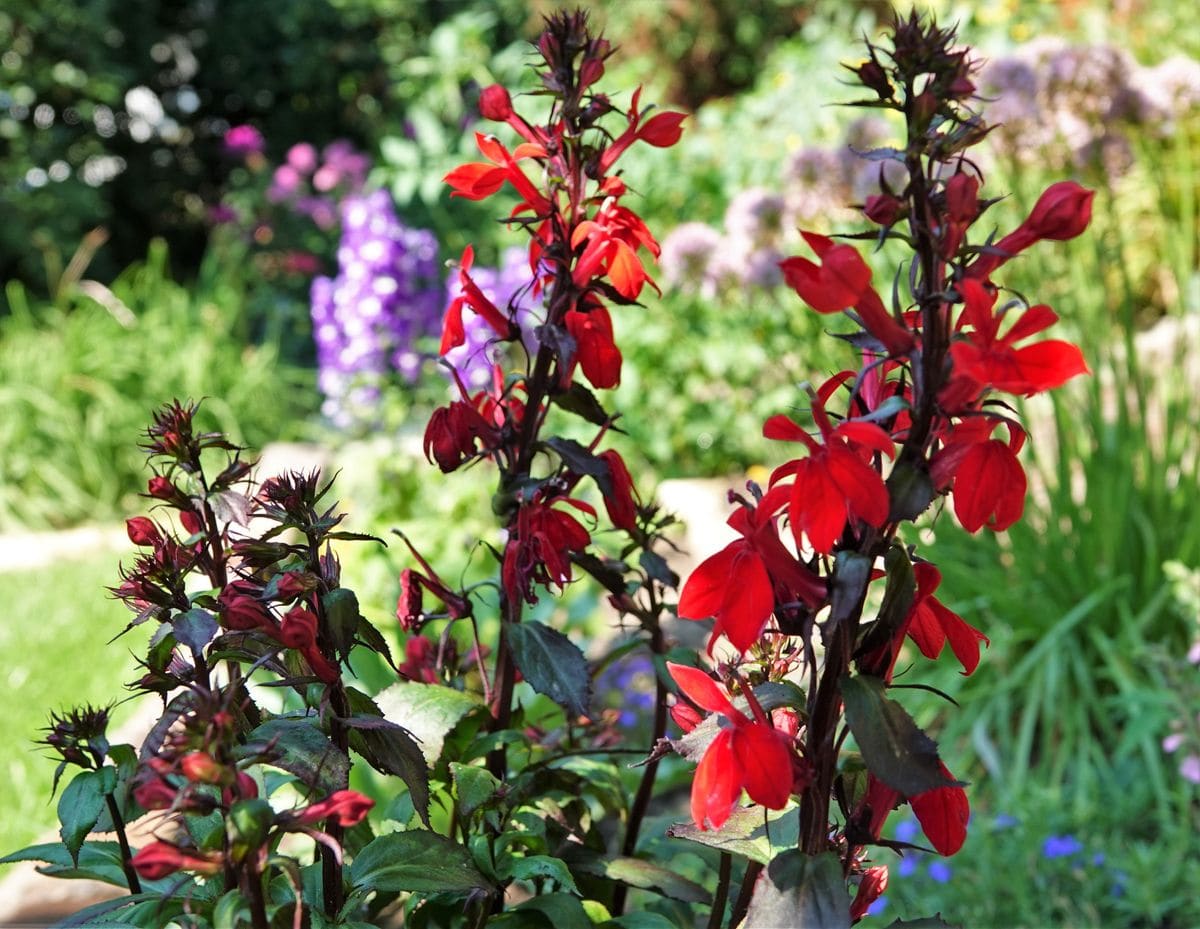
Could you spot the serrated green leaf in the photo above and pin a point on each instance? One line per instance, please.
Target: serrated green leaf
(390, 749)
(552, 664)
(342, 613)
(582, 402)
(428, 711)
(747, 833)
(417, 861)
(894, 748)
(79, 807)
(475, 785)
(304, 750)
(800, 890)
(636, 872)
(535, 866)
(581, 461)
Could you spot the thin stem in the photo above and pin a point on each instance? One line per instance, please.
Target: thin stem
(753, 870)
(131, 876)
(258, 904)
(724, 873)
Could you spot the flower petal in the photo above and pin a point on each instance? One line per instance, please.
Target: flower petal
(766, 764)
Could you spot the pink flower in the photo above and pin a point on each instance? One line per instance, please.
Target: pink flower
(244, 140)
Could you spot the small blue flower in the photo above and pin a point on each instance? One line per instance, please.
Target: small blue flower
(907, 866)
(1098, 859)
(940, 871)
(1061, 846)
(877, 907)
(1004, 821)
(906, 830)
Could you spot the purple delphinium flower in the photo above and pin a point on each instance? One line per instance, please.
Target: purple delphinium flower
(631, 679)
(367, 320)
(1061, 846)
(510, 288)
(244, 140)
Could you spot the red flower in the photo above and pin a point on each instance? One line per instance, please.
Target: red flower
(243, 612)
(621, 503)
(453, 432)
(988, 481)
(613, 238)
(1062, 212)
(453, 332)
(943, 814)
(991, 360)
(201, 767)
(347, 807)
(738, 584)
(540, 544)
(750, 755)
(834, 483)
(142, 531)
(662, 131)
(840, 282)
(160, 859)
(479, 180)
(870, 888)
(931, 624)
(595, 350)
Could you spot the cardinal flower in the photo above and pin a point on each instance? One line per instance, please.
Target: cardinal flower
(540, 543)
(661, 130)
(834, 483)
(454, 333)
(746, 754)
(738, 584)
(595, 350)
(932, 624)
(992, 360)
(1062, 212)
(987, 478)
(479, 180)
(943, 814)
(843, 281)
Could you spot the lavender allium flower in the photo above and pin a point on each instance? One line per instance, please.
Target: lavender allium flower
(815, 185)
(509, 287)
(366, 322)
(1190, 768)
(755, 215)
(244, 140)
(1167, 92)
(687, 252)
(1172, 742)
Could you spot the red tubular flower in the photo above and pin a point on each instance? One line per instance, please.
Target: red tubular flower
(943, 814)
(834, 483)
(613, 238)
(989, 482)
(738, 584)
(621, 503)
(347, 807)
(453, 331)
(595, 349)
(160, 859)
(161, 488)
(991, 360)
(840, 282)
(750, 755)
(455, 434)
(539, 546)
(479, 180)
(931, 624)
(662, 131)
(870, 888)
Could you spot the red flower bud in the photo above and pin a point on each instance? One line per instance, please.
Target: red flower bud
(291, 585)
(962, 198)
(160, 859)
(298, 628)
(686, 718)
(347, 807)
(243, 613)
(161, 488)
(495, 103)
(883, 209)
(1062, 212)
(201, 767)
(409, 603)
(874, 882)
(154, 793)
(620, 503)
(142, 531)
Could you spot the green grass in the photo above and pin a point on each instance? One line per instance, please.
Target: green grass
(55, 655)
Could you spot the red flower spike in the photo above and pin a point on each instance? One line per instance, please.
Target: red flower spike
(943, 814)
(931, 624)
(540, 541)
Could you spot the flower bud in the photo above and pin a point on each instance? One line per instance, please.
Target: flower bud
(293, 584)
(161, 488)
(142, 531)
(874, 882)
(686, 718)
(409, 603)
(347, 807)
(160, 859)
(243, 613)
(495, 103)
(298, 628)
(202, 768)
(190, 521)
(154, 793)
(248, 826)
(1062, 212)
(883, 209)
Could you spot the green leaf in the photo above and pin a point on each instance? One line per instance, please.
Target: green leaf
(895, 750)
(303, 750)
(341, 610)
(79, 807)
(747, 833)
(555, 911)
(582, 402)
(231, 909)
(800, 890)
(390, 749)
(132, 911)
(656, 567)
(636, 872)
(195, 628)
(535, 866)
(428, 711)
(476, 786)
(852, 574)
(552, 664)
(897, 601)
(910, 491)
(417, 861)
